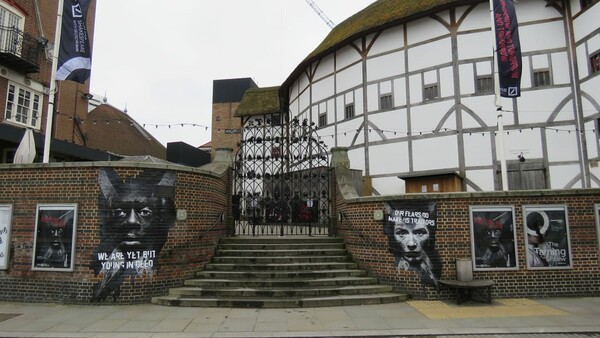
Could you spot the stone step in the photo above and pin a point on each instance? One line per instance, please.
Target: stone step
(281, 246)
(275, 259)
(244, 274)
(281, 266)
(282, 252)
(283, 302)
(279, 283)
(196, 292)
(279, 240)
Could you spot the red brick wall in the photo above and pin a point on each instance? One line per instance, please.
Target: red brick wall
(190, 243)
(369, 246)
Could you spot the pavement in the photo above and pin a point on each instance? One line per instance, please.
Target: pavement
(523, 317)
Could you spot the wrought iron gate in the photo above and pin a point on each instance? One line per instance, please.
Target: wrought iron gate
(281, 179)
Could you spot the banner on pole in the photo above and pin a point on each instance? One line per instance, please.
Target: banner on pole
(74, 56)
(508, 48)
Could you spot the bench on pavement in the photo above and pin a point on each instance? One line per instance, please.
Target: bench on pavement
(464, 289)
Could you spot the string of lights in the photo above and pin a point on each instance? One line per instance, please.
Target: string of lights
(131, 122)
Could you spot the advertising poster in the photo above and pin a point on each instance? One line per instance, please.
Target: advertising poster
(493, 238)
(597, 215)
(54, 242)
(547, 237)
(410, 227)
(5, 223)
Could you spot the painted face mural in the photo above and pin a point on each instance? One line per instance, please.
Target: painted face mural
(136, 215)
(411, 235)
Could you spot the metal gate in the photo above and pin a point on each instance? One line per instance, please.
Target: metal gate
(281, 179)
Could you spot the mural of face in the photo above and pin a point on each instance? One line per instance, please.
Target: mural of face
(136, 215)
(411, 239)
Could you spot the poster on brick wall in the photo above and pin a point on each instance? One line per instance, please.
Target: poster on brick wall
(410, 227)
(597, 215)
(54, 239)
(5, 224)
(547, 237)
(136, 214)
(493, 238)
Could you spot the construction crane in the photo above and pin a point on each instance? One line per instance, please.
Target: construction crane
(320, 13)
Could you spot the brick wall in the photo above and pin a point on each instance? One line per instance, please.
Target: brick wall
(368, 244)
(189, 246)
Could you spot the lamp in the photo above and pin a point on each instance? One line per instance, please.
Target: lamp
(87, 96)
(521, 157)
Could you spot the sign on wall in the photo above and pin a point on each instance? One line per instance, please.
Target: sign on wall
(547, 237)
(597, 215)
(5, 225)
(136, 215)
(54, 241)
(410, 227)
(493, 238)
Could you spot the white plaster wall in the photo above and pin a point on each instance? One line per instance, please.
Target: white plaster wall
(391, 121)
(528, 11)
(582, 61)
(347, 56)
(446, 82)
(435, 153)
(323, 89)
(478, 149)
(478, 18)
(399, 92)
(595, 173)
(560, 74)
(394, 158)
(372, 94)
(389, 185)
(562, 146)
(357, 159)
(304, 101)
(385, 66)
(425, 29)
(390, 39)
(484, 179)
(592, 88)
(325, 67)
(542, 36)
(415, 86)
(472, 45)
(484, 107)
(526, 141)
(349, 78)
(467, 79)
(536, 106)
(425, 118)
(586, 22)
(430, 54)
(591, 137)
(561, 175)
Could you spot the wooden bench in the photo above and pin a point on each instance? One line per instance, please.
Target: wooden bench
(464, 289)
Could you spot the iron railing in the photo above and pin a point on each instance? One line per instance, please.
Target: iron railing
(19, 49)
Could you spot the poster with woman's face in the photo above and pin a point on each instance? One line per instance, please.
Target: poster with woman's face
(5, 223)
(547, 237)
(494, 238)
(54, 243)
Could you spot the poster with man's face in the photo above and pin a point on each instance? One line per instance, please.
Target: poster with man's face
(54, 242)
(547, 237)
(494, 238)
(5, 224)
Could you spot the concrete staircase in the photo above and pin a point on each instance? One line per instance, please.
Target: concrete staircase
(280, 272)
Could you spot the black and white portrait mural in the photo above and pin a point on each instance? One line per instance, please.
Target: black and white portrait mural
(547, 234)
(136, 214)
(410, 227)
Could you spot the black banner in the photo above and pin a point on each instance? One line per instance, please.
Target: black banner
(74, 56)
(508, 48)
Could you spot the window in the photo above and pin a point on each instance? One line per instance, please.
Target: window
(322, 120)
(595, 62)
(385, 102)
(10, 25)
(541, 78)
(430, 92)
(349, 111)
(23, 106)
(485, 84)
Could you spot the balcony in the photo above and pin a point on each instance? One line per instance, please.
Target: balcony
(19, 50)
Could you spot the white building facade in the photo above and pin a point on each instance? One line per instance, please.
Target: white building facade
(412, 97)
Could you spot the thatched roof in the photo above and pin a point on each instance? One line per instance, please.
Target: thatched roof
(259, 101)
(377, 16)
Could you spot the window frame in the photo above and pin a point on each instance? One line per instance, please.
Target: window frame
(480, 88)
(429, 88)
(349, 111)
(595, 63)
(322, 120)
(12, 107)
(386, 101)
(535, 83)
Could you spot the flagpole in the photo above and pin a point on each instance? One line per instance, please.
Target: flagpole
(51, 94)
(498, 104)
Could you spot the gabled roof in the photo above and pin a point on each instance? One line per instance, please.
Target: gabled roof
(114, 131)
(259, 101)
(377, 16)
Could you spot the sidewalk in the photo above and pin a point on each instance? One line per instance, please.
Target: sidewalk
(432, 318)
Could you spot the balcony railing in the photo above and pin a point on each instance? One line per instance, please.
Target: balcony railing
(19, 50)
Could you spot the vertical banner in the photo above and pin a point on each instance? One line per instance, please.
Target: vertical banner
(74, 56)
(508, 48)
(54, 242)
(547, 234)
(410, 227)
(5, 224)
(494, 238)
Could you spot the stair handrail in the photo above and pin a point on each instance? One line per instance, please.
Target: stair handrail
(219, 218)
(362, 236)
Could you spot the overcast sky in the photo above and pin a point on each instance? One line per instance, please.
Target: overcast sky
(159, 58)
